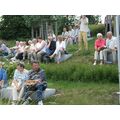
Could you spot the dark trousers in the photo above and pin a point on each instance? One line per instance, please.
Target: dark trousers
(36, 91)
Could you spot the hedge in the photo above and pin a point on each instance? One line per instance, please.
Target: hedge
(76, 72)
(100, 28)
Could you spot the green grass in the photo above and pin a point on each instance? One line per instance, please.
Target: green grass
(77, 81)
(79, 93)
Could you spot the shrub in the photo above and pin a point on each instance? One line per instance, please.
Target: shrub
(82, 72)
(100, 28)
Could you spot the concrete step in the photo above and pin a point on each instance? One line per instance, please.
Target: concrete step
(7, 93)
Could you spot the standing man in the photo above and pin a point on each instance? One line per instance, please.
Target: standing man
(36, 83)
(83, 32)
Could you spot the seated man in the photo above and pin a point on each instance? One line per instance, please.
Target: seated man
(111, 44)
(36, 82)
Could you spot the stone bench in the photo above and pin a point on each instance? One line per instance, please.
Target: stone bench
(7, 93)
(64, 57)
(110, 57)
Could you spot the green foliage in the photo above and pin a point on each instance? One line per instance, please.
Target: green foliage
(13, 27)
(82, 72)
(100, 28)
(93, 19)
(10, 70)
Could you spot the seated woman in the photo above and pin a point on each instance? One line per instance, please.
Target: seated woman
(40, 48)
(20, 76)
(4, 50)
(3, 76)
(60, 48)
(99, 47)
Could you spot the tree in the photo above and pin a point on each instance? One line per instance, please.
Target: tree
(13, 27)
(93, 19)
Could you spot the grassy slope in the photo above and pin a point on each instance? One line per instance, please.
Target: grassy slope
(78, 93)
(69, 93)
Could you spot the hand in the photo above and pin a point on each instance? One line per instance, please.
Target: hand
(18, 88)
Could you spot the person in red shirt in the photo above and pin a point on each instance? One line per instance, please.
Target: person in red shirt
(100, 44)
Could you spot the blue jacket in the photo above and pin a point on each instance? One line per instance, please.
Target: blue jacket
(3, 76)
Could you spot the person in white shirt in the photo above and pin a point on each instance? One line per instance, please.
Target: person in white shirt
(32, 52)
(60, 48)
(111, 46)
(41, 49)
(15, 48)
(76, 33)
(51, 33)
(26, 50)
(83, 32)
(20, 76)
(65, 36)
(70, 35)
(20, 51)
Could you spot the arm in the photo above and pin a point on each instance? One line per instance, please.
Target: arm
(49, 42)
(42, 46)
(96, 46)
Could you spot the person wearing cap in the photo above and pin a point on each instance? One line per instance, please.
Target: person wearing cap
(3, 76)
(100, 45)
(20, 76)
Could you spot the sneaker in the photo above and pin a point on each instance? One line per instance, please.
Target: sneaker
(27, 101)
(94, 63)
(40, 103)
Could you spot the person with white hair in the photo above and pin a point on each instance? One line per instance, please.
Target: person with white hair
(111, 47)
(99, 47)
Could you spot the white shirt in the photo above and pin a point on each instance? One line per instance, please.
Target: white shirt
(21, 76)
(37, 45)
(65, 34)
(21, 49)
(76, 32)
(32, 48)
(111, 43)
(84, 24)
(60, 45)
(71, 33)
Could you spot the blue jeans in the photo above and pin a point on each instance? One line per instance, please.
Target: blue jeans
(38, 91)
(49, 52)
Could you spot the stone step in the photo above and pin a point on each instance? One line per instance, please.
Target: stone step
(7, 93)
